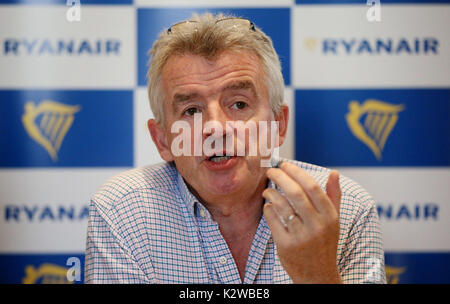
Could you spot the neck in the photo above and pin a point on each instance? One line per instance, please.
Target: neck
(238, 217)
(243, 208)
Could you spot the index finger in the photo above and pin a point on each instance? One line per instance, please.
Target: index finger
(317, 196)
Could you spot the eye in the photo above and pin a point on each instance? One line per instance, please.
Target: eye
(191, 111)
(240, 105)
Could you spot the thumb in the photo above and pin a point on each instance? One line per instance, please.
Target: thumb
(334, 190)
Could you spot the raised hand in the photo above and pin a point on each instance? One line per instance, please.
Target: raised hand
(304, 223)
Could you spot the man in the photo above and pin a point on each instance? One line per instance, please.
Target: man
(222, 216)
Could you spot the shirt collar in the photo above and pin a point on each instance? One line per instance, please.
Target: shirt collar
(186, 195)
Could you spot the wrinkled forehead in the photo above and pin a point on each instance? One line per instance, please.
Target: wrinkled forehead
(183, 61)
(188, 68)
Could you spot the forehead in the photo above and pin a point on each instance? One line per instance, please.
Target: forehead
(188, 70)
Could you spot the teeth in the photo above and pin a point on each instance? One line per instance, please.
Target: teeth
(217, 159)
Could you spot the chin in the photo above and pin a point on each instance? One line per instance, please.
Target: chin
(224, 182)
(232, 178)
(223, 185)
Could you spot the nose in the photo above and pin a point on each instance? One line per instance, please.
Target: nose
(215, 120)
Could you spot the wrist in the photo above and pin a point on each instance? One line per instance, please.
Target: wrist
(331, 278)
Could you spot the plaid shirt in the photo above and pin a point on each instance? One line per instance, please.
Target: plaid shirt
(145, 226)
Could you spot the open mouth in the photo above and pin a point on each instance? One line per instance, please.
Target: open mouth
(218, 159)
(223, 161)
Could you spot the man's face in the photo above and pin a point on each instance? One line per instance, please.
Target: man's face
(232, 87)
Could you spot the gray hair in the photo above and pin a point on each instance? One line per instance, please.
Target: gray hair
(208, 38)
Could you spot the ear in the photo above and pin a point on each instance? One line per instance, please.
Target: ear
(159, 138)
(283, 119)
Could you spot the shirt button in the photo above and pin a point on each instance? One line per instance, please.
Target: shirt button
(202, 213)
(223, 260)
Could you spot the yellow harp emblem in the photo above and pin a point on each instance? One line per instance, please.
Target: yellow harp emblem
(372, 122)
(393, 274)
(48, 123)
(46, 274)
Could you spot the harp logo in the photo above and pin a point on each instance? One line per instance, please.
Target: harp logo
(372, 122)
(46, 274)
(393, 274)
(48, 124)
(310, 44)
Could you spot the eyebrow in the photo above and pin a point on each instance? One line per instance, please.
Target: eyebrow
(181, 98)
(241, 85)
